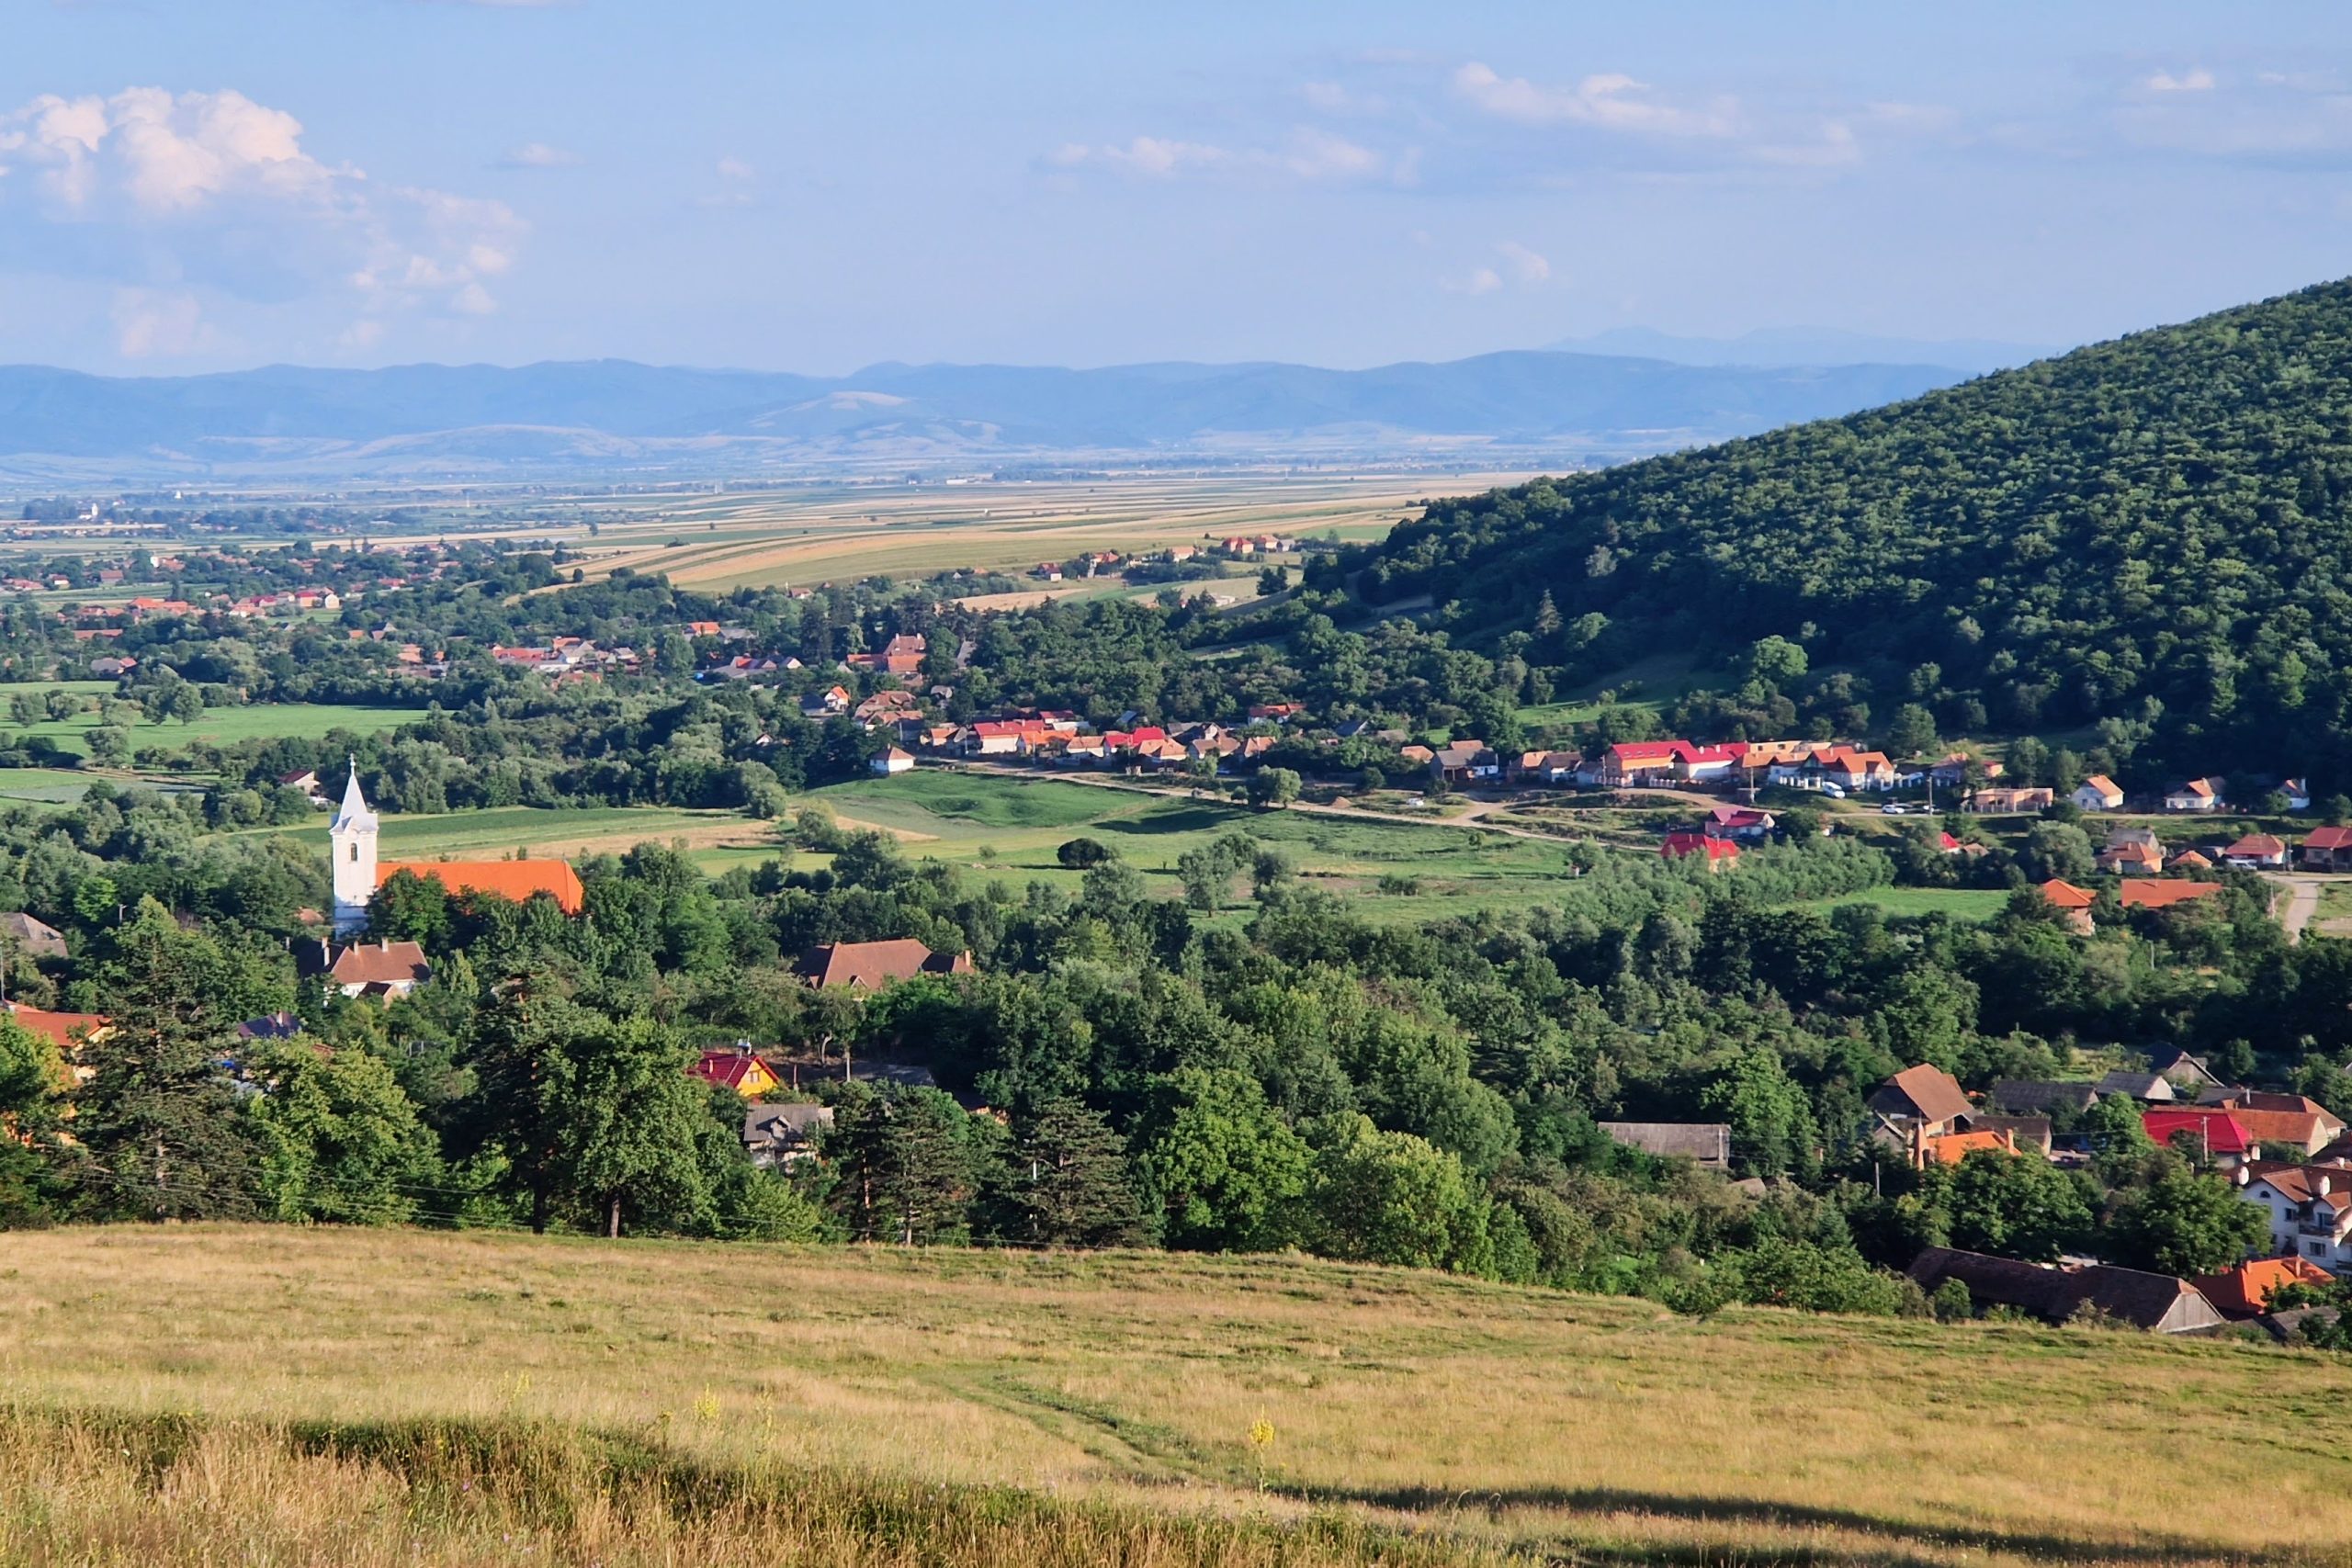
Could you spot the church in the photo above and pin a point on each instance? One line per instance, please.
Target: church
(357, 873)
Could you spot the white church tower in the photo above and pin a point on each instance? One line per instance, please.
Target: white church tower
(352, 836)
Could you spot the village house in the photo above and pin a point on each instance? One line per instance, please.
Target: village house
(2245, 1291)
(1744, 823)
(34, 939)
(1707, 1143)
(2207, 1134)
(2018, 1095)
(1466, 761)
(1719, 853)
(2197, 794)
(2291, 1122)
(2073, 903)
(2256, 852)
(1916, 1106)
(2158, 1303)
(2135, 1083)
(1954, 770)
(1547, 767)
(739, 1068)
(870, 966)
(1987, 802)
(2309, 1208)
(2098, 793)
(2183, 1071)
(379, 969)
(2026, 1135)
(2145, 894)
(892, 759)
(784, 1134)
(2327, 848)
(2133, 851)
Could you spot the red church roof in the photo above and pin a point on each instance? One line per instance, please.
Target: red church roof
(515, 879)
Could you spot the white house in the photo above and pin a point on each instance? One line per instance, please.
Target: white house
(2098, 793)
(2309, 1207)
(893, 761)
(2197, 794)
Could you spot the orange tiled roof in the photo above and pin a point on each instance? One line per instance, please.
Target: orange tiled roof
(2161, 895)
(2066, 896)
(2245, 1290)
(515, 879)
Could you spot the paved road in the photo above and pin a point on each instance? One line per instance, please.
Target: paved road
(2302, 900)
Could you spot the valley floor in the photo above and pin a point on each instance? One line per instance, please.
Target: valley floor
(1588, 1427)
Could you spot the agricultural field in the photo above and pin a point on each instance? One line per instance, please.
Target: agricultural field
(827, 531)
(1012, 827)
(556, 833)
(1309, 1401)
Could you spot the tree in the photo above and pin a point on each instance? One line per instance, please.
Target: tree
(32, 1083)
(1076, 854)
(1065, 1181)
(187, 703)
(2017, 1206)
(904, 1170)
(1206, 874)
(1775, 661)
(1912, 732)
(1379, 1196)
(110, 746)
(1220, 1166)
(1272, 788)
(2056, 849)
(626, 1126)
(339, 1142)
(2185, 1223)
(158, 1120)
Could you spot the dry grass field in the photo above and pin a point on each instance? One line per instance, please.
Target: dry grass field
(831, 532)
(357, 1396)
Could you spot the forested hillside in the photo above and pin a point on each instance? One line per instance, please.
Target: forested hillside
(2152, 532)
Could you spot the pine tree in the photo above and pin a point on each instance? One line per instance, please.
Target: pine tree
(1067, 1182)
(159, 1118)
(905, 1168)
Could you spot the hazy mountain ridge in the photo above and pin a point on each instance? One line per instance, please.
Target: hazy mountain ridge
(615, 411)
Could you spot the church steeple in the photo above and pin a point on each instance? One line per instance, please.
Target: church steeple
(352, 838)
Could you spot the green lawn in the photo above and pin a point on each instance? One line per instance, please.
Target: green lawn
(220, 726)
(1972, 904)
(567, 831)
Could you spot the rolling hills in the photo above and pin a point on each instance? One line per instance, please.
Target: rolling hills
(486, 1398)
(2156, 532)
(291, 421)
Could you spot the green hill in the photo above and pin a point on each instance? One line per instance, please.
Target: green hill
(2152, 532)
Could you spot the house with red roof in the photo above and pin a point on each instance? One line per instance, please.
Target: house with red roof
(739, 1069)
(2143, 894)
(1719, 851)
(2327, 848)
(2309, 1208)
(2071, 901)
(2211, 1130)
(2256, 852)
(2245, 1291)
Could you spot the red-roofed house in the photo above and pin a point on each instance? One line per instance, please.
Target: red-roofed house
(2073, 902)
(2257, 852)
(2140, 894)
(1719, 851)
(2327, 848)
(738, 1069)
(2245, 1291)
(2217, 1132)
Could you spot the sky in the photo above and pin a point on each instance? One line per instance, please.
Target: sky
(198, 184)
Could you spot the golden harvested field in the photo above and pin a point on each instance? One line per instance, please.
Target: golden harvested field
(840, 531)
(1578, 1428)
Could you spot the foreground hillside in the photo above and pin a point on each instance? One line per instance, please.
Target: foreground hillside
(2153, 530)
(364, 1396)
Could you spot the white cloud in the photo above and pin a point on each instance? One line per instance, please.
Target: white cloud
(737, 180)
(154, 324)
(213, 193)
(1308, 155)
(539, 155)
(1607, 101)
(1480, 280)
(2196, 80)
(1526, 265)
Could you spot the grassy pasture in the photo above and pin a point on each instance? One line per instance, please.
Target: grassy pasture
(219, 727)
(551, 833)
(1572, 1428)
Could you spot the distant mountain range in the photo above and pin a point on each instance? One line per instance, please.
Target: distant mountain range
(1809, 346)
(424, 420)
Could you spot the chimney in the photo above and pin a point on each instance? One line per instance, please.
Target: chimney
(2326, 1184)
(2243, 1176)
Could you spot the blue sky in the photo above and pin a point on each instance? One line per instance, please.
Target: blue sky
(196, 186)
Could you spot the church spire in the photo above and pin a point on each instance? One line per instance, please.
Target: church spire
(354, 811)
